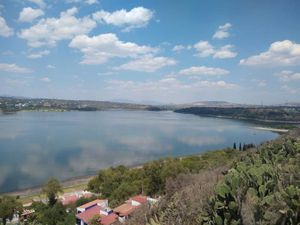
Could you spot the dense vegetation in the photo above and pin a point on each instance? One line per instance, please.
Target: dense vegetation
(256, 113)
(117, 184)
(261, 188)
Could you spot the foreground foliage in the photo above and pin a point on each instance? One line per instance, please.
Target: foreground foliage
(262, 187)
(9, 206)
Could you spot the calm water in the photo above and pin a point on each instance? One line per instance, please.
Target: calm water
(37, 145)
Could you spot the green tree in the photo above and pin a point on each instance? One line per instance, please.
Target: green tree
(8, 207)
(51, 215)
(51, 190)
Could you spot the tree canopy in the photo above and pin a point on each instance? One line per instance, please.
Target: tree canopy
(51, 190)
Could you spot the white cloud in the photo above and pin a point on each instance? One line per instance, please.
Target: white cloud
(287, 75)
(28, 14)
(89, 2)
(13, 68)
(147, 63)
(205, 49)
(5, 31)
(40, 3)
(167, 90)
(223, 31)
(99, 49)
(45, 79)
(203, 70)
(178, 48)
(51, 66)
(135, 18)
(225, 52)
(280, 53)
(40, 54)
(48, 31)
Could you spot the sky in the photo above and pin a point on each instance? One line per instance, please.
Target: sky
(169, 51)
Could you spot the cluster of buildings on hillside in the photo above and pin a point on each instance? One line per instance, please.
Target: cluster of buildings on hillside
(98, 209)
(107, 216)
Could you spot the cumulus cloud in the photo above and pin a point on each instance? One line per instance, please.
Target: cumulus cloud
(287, 75)
(222, 32)
(40, 54)
(205, 49)
(135, 18)
(28, 14)
(99, 49)
(203, 70)
(280, 53)
(48, 31)
(166, 86)
(147, 63)
(40, 3)
(5, 30)
(225, 52)
(13, 68)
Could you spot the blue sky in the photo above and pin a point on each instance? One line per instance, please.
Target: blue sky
(167, 51)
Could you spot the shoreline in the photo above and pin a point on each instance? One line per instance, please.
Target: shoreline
(272, 129)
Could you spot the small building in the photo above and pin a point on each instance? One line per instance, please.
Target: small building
(125, 210)
(98, 207)
(71, 198)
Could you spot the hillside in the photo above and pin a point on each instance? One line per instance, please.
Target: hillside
(271, 113)
(261, 187)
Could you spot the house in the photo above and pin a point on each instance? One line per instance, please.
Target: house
(125, 210)
(98, 207)
(69, 199)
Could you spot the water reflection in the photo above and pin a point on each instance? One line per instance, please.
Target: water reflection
(37, 145)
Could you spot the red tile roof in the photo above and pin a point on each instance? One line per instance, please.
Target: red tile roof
(67, 200)
(89, 204)
(109, 219)
(139, 198)
(125, 209)
(87, 215)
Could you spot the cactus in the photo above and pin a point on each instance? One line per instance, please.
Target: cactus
(262, 178)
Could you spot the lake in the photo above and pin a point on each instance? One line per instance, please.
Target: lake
(37, 145)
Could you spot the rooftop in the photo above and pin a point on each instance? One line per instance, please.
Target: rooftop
(109, 219)
(92, 203)
(66, 200)
(125, 209)
(139, 198)
(87, 215)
